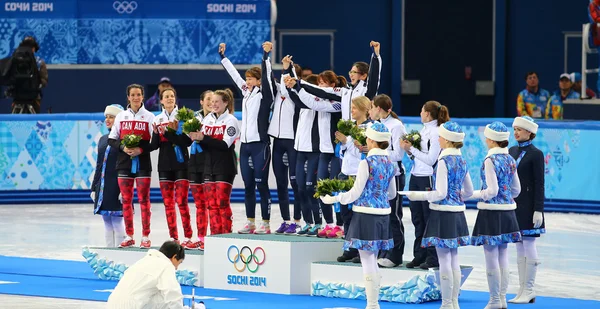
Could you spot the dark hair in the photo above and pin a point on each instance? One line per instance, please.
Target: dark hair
(502, 144)
(254, 72)
(172, 249)
(383, 145)
(437, 111)
(167, 89)
(328, 77)
(305, 68)
(135, 86)
(204, 93)
(312, 79)
(227, 96)
(457, 145)
(532, 136)
(384, 102)
(531, 73)
(341, 81)
(30, 42)
(363, 67)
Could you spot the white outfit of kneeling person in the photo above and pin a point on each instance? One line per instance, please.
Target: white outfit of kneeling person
(151, 281)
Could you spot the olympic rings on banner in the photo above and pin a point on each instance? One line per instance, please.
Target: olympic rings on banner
(125, 6)
(246, 257)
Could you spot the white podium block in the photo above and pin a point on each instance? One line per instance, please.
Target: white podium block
(109, 263)
(278, 264)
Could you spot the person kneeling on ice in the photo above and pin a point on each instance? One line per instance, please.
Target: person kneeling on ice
(369, 229)
(151, 281)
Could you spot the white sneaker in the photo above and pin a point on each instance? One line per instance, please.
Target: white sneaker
(264, 228)
(248, 228)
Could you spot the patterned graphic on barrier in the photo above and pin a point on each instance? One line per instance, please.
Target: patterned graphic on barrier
(61, 154)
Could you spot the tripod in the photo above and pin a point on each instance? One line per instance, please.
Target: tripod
(22, 108)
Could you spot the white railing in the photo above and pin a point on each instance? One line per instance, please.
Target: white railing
(585, 50)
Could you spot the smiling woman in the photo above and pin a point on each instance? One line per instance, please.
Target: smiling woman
(134, 163)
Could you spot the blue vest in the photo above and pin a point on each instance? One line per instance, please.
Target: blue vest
(505, 168)
(457, 171)
(381, 173)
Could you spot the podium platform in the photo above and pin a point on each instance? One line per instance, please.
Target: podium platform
(111, 263)
(398, 284)
(279, 264)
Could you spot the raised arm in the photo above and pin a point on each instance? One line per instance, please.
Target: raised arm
(266, 83)
(310, 101)
(233, 73)
(374, 71)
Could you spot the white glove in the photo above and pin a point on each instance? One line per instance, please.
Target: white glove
(476, 195)
(120, 198)
(538, 218)
(417, 195)
(328, 199)
(93, 196)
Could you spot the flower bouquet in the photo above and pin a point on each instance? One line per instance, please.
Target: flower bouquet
(414, 138)
(132, 141)
(333, 187)
(345, 127)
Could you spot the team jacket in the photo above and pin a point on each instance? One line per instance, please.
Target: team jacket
(256, 104)
(219, 144)
(284, 120)
(129, 122)
(166, 141)
(328, 115)
(196, 163)
(367, 88)
(532, 104)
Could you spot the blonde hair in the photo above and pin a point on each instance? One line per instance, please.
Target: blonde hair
(363, 104)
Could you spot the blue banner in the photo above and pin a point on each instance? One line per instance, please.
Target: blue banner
(140, 9)
(138, 32)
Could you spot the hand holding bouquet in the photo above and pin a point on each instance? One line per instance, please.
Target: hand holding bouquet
(131, 141)
(192, 125)
(345, 127)
(359, 134)
(331, 186)
(414, 138)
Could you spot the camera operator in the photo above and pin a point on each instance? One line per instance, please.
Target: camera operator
(26, 78)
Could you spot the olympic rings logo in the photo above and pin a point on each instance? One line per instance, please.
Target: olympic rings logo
(125, 6)
(247, 258)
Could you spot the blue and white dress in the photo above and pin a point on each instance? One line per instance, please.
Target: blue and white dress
(373, 188)
(447, 226)
(496, 221)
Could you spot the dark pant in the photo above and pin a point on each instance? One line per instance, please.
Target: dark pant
(329, 168)
(173, 175)
(396, 227)
(282, 147)
(346, 217)
(307, 181)
(419, 215)
(256, 177)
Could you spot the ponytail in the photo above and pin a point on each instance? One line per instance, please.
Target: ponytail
(385, 103)
(341, 81)
(227, 96)
(437, 111)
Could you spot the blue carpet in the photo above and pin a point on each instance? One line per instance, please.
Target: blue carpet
(69, 279)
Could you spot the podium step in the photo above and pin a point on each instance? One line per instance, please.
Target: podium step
(265, 263)
(111, 263)
(398, 284)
